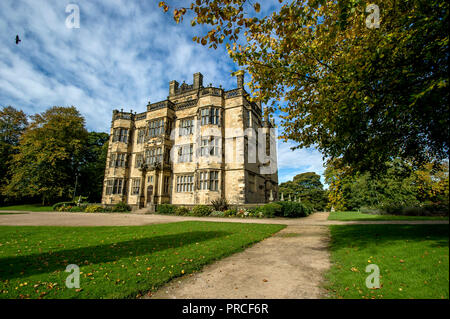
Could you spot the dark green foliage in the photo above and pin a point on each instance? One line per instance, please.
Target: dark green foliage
(12, 124)
(270, 210)
(217, 214)
(375, 215)
(166, 209)
(308, 188)
(182, 211)
(76, 209)
(201, 210)
(230, 212)
(49, 151)
(220, 204)
(294, 209)
(92, 167)
(57, 206)
(121, 208)
(400, 190)
(52, 151)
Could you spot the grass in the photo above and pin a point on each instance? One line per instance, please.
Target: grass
(413, 261)
(351, 216)
(115, 262)
(28, 207)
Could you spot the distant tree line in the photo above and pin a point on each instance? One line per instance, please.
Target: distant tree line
(401, 189)
(44, 155)
(306, 188)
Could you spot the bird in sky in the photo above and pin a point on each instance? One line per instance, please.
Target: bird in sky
(17, 39)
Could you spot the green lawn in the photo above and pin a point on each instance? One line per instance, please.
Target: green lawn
(28, 207)
(115, 262)
(349, 216)
(413, 261)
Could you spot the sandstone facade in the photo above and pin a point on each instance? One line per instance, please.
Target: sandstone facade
(200, 144)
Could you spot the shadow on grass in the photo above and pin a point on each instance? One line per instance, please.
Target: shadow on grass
(13, 267)
(345, 236)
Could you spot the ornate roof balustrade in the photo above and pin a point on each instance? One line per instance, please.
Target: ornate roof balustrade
(123, 116)
(184, 88)
(211, 91)
(140, 116)
(234, 93)
(187, 104)
(160, 105)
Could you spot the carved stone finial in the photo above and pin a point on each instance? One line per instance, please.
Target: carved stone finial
(240, 78)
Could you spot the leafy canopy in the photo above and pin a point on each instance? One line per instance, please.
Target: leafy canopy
(49, 153)
(308, 188)
(12, 124)
(364, 95)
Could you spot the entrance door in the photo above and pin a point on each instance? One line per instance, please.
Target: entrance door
(150, 194)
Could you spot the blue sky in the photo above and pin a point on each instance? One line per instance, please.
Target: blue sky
(124, 55)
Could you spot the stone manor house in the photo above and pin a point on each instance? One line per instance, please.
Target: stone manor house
(198, 145)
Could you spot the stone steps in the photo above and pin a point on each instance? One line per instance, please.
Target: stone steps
(150, 209)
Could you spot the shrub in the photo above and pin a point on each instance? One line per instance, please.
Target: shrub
(230, 212)
(75, 209)
(121, 207)
(201, 210)
(166, 209)
(94, 209)
(413, 211)
(181, 211)
(57, 206)
(270, 210)
(294, 209)
(309, 207)
(436, 208)
(220, 204)
(217, 214)
(242, 212)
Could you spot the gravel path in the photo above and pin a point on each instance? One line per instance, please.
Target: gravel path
(118, 219)
(288, 265)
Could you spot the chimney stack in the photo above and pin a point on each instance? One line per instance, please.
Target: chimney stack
(240, 79)
(173, 88)
(198, 80)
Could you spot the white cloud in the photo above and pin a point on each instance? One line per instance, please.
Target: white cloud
(124, 54)
(308, 159)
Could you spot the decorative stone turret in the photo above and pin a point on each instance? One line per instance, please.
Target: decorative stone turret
(173, 88)
(240, 79)
(198, 80)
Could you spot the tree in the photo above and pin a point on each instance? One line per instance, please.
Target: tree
(401, 186)
(433, 183)
(308, 188)
(49, 152)
(336, 176)
(92, 167)
(12, 124)
(365, 95)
